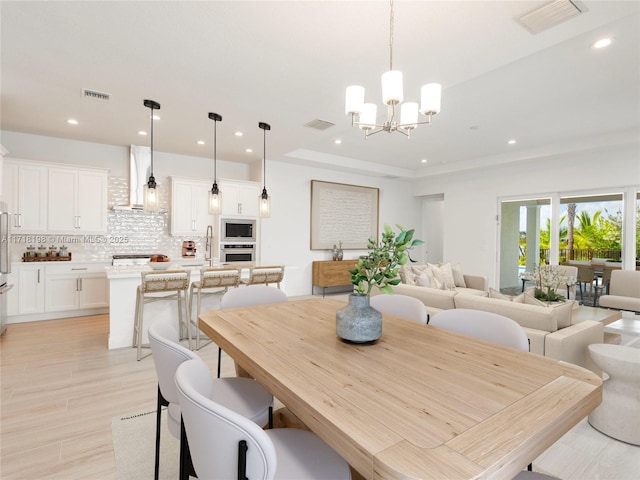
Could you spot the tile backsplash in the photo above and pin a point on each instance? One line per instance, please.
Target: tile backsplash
(128, 231)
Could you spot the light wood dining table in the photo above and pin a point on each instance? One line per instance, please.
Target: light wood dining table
(420, 403)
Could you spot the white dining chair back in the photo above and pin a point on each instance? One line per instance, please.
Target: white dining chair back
(403, 306)
(484, 325)
(245, 396)
(167, 355)
(252, 295)
(226, 445)
(246, 297)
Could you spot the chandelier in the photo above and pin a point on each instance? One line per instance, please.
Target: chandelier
(365, 114)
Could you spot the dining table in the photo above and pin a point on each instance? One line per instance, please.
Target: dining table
(419, 403)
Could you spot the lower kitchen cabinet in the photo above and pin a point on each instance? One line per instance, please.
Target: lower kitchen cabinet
(49, 291)
(75, 287)
(30, 289)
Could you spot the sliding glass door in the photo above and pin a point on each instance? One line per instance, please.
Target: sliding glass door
(593, 227)
(525, 234)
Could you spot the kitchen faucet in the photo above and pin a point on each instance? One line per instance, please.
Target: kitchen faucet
(208, 247)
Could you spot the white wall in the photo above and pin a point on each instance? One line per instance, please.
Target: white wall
(285, 237)
(471, 197)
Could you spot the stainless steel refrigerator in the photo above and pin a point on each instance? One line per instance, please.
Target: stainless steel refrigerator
(5, 264)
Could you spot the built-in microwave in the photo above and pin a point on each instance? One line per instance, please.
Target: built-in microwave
(238, 230)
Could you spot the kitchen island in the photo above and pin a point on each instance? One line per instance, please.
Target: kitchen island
(123, 283)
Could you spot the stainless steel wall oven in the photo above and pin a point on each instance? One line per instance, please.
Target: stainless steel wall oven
(238, 252)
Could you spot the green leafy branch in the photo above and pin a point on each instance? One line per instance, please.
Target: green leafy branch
(380, 266)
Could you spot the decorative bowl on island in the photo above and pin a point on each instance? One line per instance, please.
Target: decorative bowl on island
(159, 262)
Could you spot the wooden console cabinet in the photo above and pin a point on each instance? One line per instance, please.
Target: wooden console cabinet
(329, 273)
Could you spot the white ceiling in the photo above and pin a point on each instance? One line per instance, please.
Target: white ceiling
(287, 63)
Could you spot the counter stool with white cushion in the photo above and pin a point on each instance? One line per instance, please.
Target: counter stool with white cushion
(618, 415)
(265, 275)
(156, 286)
(213, 281)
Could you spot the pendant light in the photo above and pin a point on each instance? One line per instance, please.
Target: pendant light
(151, 197)
(215, 195)
(264, 199)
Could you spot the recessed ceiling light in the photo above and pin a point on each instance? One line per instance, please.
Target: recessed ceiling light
(337, 141)
(511, 142)
(200, 142)
(142, 132)
(248, 150)
(238, 134)
(424, 160)
(72, 121)
(602, 43)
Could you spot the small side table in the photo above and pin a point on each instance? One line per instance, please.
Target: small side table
(618, 415)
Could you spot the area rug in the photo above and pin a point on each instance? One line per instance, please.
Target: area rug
(134, 447)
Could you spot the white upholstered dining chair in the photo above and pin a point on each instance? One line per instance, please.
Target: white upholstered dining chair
(246, 297)
(224, 444)
(401, 306)
(245, 396)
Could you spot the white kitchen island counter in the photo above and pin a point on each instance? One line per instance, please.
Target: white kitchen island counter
(123, 283)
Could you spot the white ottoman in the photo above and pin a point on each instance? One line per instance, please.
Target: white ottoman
(618, 415)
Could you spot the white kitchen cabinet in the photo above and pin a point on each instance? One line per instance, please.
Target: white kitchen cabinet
(190, 207)
(31, 289)
(12, 295)
(24, 188)
(77, 201)
(240, 198)
(76, 287)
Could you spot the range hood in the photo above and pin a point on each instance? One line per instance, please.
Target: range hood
(139, 171)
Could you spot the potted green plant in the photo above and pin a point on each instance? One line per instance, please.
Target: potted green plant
(358, 322)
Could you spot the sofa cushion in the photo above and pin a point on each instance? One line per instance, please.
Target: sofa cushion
(431, 297)
(470, 291)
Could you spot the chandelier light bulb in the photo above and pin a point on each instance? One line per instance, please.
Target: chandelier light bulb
(354, 100)
(392, 87)
(430, 95)
(409, 115)
(368, 116)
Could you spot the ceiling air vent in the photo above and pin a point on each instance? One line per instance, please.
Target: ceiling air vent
(319, 124)
(96, 95)
(550, 15)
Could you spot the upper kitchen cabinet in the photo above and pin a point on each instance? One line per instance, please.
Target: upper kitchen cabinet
(240, 198)
(24, 188)
(77, 200)
(190, 207)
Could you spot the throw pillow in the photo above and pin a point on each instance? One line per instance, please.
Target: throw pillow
(406, 274)
(458, 276)
(499, 295)
(531, 300)
(509, 298)
(423, 280)
(443, 274)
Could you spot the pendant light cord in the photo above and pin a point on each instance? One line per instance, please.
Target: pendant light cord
(264, 159)
(151, 141)
(215, 150)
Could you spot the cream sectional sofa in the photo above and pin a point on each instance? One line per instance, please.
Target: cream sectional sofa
(549, 328)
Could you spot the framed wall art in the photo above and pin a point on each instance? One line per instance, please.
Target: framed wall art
(341, 212)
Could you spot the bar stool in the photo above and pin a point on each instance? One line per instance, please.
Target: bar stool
(219, 279)
(265, 275)
(174, 284)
